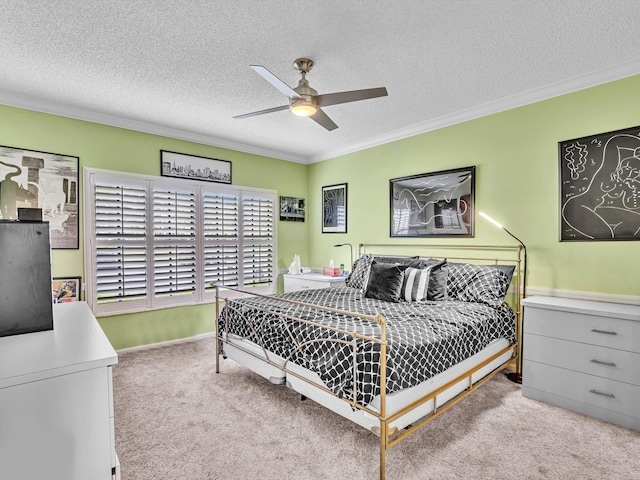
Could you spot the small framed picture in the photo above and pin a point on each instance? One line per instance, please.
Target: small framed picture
(334, 208)
(291, 209)
(66, 289)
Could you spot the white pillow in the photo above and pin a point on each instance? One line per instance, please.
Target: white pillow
(416, 284)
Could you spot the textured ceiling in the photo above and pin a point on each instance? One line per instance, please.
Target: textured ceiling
(181, 68)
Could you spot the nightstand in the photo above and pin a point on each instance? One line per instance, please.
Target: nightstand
(308, 281)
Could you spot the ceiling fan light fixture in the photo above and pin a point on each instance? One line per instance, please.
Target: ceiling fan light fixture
(303, 108)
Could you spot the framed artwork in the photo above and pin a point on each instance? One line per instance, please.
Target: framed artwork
(291, 209)
(600, 186)
(30, 179)
(438, 204)
(194, 167)
(334, 208)
(66, 289)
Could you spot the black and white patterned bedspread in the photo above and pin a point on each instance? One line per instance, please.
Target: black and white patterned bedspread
(424, 338)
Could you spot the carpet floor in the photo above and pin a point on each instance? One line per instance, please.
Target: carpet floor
(175, 418)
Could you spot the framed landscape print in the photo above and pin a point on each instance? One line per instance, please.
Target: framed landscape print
(30, 179)
(334, 208)
(438, 204)
(194, 167)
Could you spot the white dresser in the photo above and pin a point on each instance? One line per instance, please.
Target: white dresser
(308, 281)
(56, 400)
(584, 356)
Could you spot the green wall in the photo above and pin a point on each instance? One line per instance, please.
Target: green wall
(516, 155)
(515, 152)
(118, 149)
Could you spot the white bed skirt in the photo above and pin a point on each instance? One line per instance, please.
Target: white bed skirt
(253, 357)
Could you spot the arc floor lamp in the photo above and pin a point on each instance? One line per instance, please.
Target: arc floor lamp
(517, 375)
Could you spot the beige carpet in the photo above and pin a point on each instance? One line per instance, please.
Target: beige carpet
(176, 418)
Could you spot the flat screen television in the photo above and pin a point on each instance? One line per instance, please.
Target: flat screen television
(25, 278)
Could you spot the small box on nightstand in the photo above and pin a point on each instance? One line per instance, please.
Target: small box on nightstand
(331, 271)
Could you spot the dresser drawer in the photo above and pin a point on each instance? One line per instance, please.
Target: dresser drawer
(611, 395)
(294, 284)
(604, 362)
(591, 329)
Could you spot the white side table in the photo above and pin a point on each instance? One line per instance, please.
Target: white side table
(308, 281)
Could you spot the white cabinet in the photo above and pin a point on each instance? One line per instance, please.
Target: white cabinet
(56, 400)
(308, 281)
(584, 356)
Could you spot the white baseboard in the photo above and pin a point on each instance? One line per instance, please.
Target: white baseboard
(167, 342)
(580, 295)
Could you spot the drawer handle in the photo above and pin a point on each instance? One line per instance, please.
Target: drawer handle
(600, 362)
(610, 395)
(606, 332)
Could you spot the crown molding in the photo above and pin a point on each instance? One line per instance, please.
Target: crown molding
(507, 103)
(55, 108)
(554, 90)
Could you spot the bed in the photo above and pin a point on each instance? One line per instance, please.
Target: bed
(405, 339)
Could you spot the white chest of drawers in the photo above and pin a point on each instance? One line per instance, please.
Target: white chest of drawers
(584, 356)
(56, 400)
(308, 281)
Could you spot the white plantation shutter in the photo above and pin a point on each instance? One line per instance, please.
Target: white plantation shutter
(174, 242)
(258, 243)
(220, 216)
(120, 242)
(156, 242)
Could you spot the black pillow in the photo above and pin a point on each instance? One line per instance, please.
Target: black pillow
(414, 262)
(437, 278)
(385, 281)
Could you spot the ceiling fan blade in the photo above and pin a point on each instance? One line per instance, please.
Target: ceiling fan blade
(275, 81)
(262, 112)
(351, 96)
(323, 120)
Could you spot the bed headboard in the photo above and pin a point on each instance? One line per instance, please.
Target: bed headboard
(479, 254)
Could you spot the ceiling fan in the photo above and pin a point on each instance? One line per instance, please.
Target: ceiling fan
(304, 101)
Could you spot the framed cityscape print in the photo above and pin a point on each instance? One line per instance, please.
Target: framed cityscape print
(194, 167)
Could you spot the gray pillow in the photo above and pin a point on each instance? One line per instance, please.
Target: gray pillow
(359, 272)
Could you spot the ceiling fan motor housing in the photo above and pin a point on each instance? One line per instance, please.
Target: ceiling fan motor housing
(307, 105)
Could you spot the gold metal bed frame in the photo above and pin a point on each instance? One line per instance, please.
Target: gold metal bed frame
(390, 436)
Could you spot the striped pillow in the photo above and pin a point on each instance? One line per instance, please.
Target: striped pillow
(416, 284)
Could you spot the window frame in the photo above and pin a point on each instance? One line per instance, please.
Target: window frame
(202, 295)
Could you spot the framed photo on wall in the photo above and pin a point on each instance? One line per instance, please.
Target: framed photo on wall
(438, 204)
(66, 289)
(194, 167)
(31, 179)
(292, 209)
(334, 208)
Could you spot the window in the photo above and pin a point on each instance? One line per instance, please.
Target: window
(154, 242)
